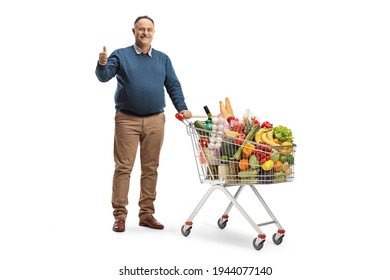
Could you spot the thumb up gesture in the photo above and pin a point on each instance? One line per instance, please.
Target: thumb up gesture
(103, 56)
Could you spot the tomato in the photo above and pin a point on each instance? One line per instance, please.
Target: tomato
(239, 139)
(230, 119)
(204, 142)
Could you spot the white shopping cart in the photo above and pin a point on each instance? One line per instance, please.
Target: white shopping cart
(238, 162)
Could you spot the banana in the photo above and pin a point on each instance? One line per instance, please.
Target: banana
(258, 135)
(270, 136)
(265, 139)
(231, 133)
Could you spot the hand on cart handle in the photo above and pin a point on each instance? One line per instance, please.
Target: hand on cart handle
(184, 114)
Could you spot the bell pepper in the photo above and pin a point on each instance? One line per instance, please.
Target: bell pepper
(248, 148)
(266, 124)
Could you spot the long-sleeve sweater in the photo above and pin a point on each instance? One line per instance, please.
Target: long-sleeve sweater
(141, 80)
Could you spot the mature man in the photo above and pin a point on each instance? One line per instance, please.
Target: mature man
(142, 75)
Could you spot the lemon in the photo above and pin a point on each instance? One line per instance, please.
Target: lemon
(268, 165)
(287, 150)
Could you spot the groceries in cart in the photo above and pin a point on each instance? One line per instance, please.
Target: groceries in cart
(243, 150)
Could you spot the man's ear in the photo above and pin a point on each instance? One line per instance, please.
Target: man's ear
(133, 30)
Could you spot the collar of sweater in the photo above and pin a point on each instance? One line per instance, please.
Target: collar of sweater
(139, 51)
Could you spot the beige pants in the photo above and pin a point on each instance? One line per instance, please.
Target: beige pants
(129, 132)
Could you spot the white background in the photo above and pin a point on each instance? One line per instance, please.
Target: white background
(320, 68)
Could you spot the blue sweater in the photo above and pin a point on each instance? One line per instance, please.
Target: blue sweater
(141, 80)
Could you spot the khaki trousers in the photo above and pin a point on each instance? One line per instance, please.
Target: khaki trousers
(130, 131)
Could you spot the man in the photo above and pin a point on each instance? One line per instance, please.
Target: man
(142, 74)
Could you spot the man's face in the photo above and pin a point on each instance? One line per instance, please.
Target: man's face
(143, 32)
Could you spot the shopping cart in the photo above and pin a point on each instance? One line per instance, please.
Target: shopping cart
(237, 162)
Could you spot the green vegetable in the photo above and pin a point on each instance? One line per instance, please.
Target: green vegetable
(279, 177)
(290, 159)
(224, 158)
(275, 156)
(254, 162)
(283, 133)
(201, 128)
(248, 173)
(248, 177)
(228, 148)
(248, 137)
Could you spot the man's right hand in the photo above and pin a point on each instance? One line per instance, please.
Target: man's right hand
(103, 56)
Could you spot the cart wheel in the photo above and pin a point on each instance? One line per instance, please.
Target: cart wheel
(277, 241)
(258, 246)
(221, 223)
(184, 231)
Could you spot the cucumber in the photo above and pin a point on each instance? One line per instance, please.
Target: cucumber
(201, 128)
(199, 124)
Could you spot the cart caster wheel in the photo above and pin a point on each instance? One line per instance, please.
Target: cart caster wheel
(258, 246)
(277, 241)
(185, 231)
(222, 223)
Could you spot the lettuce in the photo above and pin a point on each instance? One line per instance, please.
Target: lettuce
(283, 133)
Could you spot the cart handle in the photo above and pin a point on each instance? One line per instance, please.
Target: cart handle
(186, 122)
(180, 117)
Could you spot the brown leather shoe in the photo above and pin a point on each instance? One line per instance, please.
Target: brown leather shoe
(119, 225)
(151, 222)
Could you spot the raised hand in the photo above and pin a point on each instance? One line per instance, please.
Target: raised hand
(103, 56)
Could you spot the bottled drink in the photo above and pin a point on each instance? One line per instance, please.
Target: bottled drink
(209, 116)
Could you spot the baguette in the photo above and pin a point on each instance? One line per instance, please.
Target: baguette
(223, 110)
(228, 107)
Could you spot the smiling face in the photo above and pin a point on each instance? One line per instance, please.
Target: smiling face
(143, 32)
